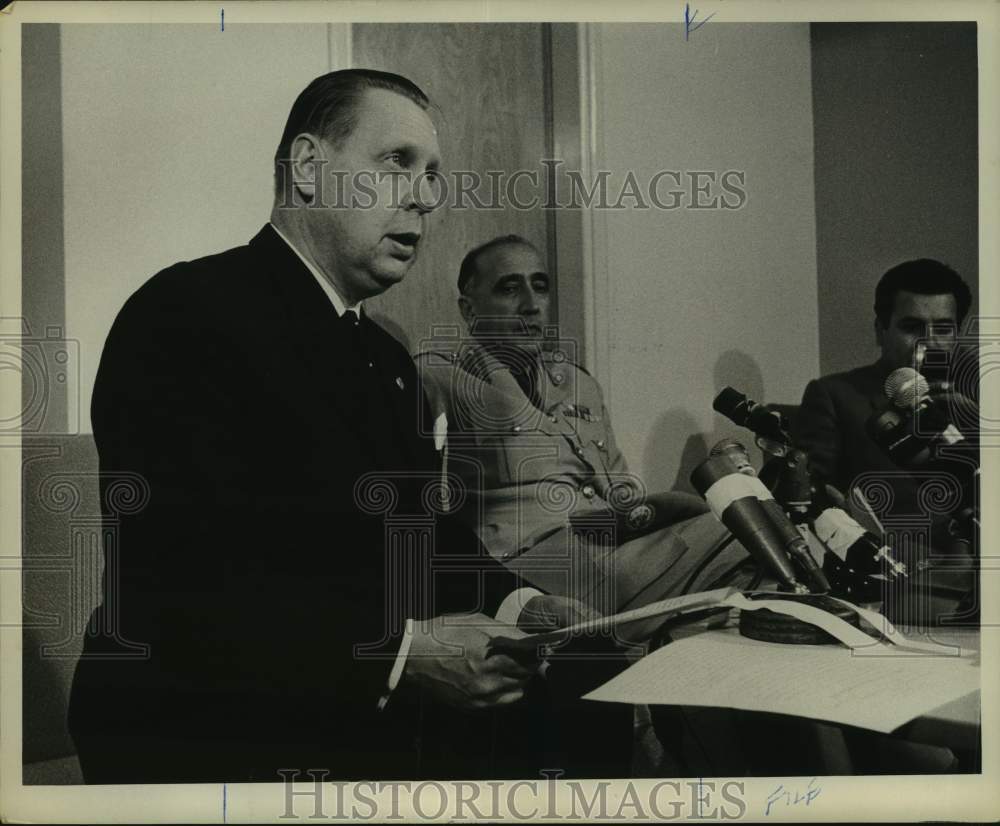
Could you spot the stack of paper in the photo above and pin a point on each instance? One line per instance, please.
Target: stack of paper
(879, 690)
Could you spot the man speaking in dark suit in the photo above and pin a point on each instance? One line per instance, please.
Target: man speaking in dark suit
(281, 576)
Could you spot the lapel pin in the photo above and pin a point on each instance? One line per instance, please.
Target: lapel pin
(399, 383)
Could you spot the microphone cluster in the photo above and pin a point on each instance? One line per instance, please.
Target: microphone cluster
(914, 426)
(746, 507)
(773, 527)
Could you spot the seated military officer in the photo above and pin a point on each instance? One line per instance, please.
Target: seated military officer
(545, 484)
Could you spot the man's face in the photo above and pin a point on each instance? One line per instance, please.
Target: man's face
(931, 320)
(509, 295)
(370, 244)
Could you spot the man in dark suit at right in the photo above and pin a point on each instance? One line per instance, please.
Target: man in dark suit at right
(919, 307)
(916, 302)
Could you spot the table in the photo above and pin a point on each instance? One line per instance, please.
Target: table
(731, 741)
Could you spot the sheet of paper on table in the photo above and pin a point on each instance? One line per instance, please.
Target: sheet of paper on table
(825, 682)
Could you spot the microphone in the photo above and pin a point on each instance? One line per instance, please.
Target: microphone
(909, 390)
(736, 500)
(810, 504)
(792, 536)
(794, 488)
(737, 454)
(910, 430)
(861, 550)
(904, 387)
(753, 416)
(797, 546)
(910, 433)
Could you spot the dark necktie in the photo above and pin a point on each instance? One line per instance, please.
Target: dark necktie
(350, 325)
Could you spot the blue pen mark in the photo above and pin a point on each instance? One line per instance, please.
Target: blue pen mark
(222, 18)
(223, 802)
(792, 797)
(772, 799)
(689, 20)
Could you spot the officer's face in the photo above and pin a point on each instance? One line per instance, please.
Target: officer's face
(378, 186)
(927, 320)
(509, 295)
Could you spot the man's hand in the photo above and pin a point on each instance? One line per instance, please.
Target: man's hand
(549, 612)
(448, 661)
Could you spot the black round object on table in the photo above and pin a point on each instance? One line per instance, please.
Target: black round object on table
(767, 626)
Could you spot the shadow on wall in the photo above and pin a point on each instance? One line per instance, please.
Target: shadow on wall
(736, 369)
(660, 455)
(676, 440)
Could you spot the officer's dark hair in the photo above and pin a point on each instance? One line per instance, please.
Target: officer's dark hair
(469, 269)
(328, 107)
(923, 276)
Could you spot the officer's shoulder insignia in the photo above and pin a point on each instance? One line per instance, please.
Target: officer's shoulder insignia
(556, 360)
(639, 517)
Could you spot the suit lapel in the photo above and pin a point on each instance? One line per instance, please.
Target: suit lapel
(874, 377)
(398, 384)
(304, 324)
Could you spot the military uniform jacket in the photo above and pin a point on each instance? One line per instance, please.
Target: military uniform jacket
(524, 469)
(548, 490)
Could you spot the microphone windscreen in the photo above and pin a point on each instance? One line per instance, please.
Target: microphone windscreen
(905, 387)
(737, 454)
(727, 446)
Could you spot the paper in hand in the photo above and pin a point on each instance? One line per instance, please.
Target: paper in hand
(536, 644)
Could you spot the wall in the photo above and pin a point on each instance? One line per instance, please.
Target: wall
(159, 165)
(687, 301)
(42, 258)
(895, 114)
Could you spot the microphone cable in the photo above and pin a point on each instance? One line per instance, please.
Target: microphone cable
(717, 548)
